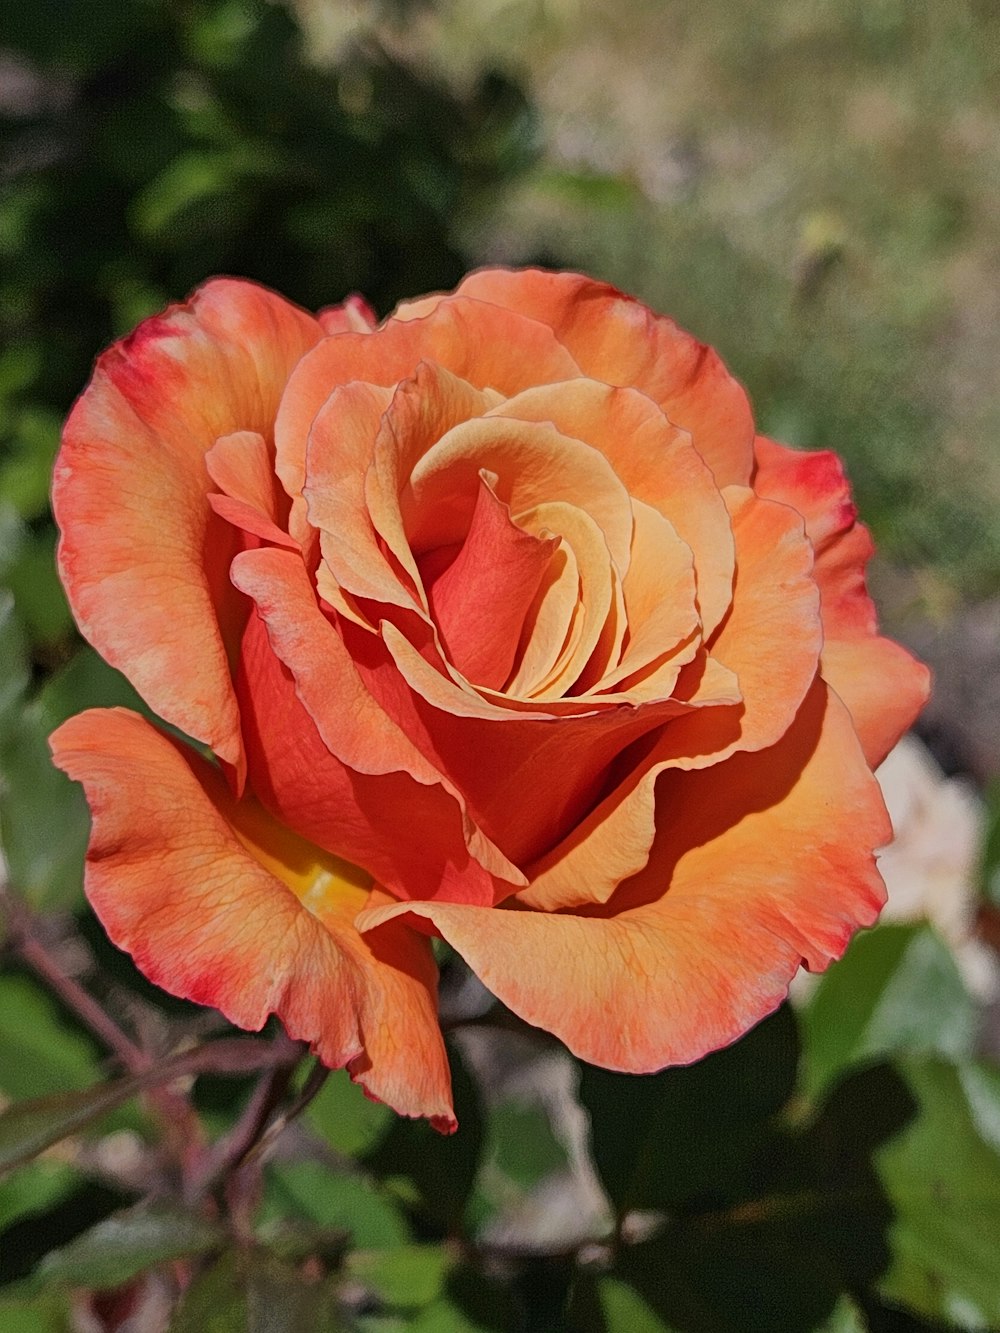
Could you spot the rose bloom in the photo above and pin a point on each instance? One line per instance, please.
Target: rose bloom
(502, 626)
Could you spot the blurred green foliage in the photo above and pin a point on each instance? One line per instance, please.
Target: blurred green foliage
(812, 186)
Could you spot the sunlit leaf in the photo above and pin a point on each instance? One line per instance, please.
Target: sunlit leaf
(846, 1317)
(896, 989)
(942, 1176)
(335, 1200)
(624, 1310)
(522, 1151)
(409, 1275)
(345, 1118)
(46, 1313)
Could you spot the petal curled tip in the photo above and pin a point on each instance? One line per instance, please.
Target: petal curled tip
(353, 315)
(220, 904)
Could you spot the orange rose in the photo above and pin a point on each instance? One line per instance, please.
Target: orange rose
(504, 628)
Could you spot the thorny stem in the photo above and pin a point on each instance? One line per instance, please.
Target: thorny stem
(200, 1169)
(24, 941)
(233, 1148)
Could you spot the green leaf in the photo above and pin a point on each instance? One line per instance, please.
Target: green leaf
(473, 1303)
(13, 653)
(26, 473)
(126, 1244)
(659, 1139)
(86, 681)
(34, 1189)
(408, 1276)
(48, 1313)
(896, 989)
(345, 1118)
(43, 818)
(846, 1317)
(942, 1176)
(990, 870)
(200, 192)
(28, 1128)
(41, 602)
(334, 1201)
(251, 1292)
(39, 1054)
(624, 1310)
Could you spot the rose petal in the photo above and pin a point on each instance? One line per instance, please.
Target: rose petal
(382, 788)
(589, 610)
(489, 347)
(242, 467)
(705, 941)
(565, 757)
(339, 454)
(142, 556)
(480, 600)
(656, 462)
(615, 338)
(770, 640)
(612, 842)
(660, 606)
(424, 408)
(882, 684)
(533, 463)
(222, 906)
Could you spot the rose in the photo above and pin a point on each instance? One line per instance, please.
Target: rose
(503, 627)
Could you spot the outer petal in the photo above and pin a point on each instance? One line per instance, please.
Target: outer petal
(130, 489)
(222, 906)
(756, 866)
(615, 338)
(882, 685)
(771, 639)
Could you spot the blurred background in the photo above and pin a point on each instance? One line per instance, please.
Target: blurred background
(812, 186)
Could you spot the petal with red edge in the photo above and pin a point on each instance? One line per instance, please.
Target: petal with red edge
(883, 686)
(219, 904)
(756, 866)
(130, 495)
